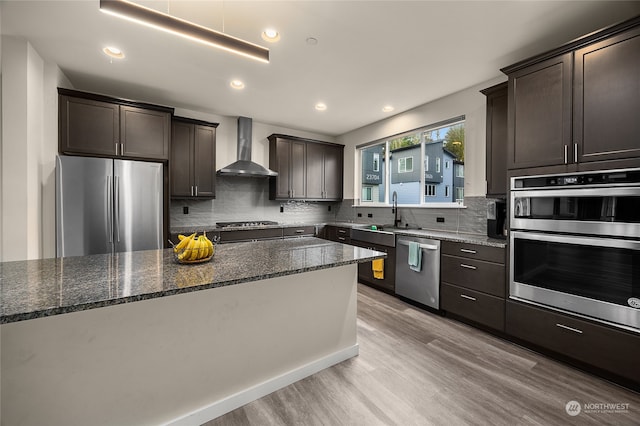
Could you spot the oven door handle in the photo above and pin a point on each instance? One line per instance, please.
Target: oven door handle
(610, 242)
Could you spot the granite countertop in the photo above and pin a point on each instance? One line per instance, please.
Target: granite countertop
(39, 288)
(458, 237)
(425, 233)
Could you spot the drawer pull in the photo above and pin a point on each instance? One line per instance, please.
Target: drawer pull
(468, 251)
(341, 238)
(464, 296)
(462, 265)
(566, 327)
(342, 231)
(299, 231)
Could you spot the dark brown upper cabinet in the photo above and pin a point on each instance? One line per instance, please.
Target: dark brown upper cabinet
(287, 156)
(307, 169)
(324, 171)
(193, 159)
(496, 159)
(539, 114)
(577, 106)
(98, 125)
(607, 99)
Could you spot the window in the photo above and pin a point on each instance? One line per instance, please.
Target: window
(459, 194)
(367, 193)
(405, 164)
(387, 166)
(430, 191)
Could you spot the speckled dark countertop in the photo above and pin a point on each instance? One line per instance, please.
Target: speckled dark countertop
(425, 233)
(39, 288)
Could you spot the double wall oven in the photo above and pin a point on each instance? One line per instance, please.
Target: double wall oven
(575, 244)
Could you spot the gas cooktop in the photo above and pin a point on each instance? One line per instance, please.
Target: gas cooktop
(247, 223)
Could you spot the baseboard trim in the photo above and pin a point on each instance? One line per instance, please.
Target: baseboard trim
(230, 403)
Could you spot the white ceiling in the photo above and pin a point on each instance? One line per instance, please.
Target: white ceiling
(369, 53)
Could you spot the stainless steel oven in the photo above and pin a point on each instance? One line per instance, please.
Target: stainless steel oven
(575, 244)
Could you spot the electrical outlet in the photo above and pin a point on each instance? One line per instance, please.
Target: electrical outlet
(359, 214)
(329, 208)
(440, 219)
(281, 208)
(369, 214)
(185, 210)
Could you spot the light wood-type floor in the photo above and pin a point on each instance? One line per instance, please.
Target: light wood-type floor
(418, 368)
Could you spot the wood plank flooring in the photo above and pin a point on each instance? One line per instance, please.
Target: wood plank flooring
(418, 368)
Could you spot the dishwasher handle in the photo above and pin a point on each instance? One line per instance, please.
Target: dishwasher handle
(422, 246)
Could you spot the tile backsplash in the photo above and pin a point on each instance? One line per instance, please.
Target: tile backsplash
(246, 199)
(239, 199)
(471, 218)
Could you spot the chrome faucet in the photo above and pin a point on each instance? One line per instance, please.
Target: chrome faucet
(394, 209)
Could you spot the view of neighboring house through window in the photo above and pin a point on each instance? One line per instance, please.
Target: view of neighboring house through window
(388, 166)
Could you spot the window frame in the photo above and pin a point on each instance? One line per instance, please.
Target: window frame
(425, 135)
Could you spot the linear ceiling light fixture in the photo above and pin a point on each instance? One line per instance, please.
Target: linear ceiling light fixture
(152, 18)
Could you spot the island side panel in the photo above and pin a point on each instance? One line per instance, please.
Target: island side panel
(156, 361)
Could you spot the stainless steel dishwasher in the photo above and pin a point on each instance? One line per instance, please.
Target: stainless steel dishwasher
(421, 286)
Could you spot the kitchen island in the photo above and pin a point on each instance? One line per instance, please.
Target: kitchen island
(135, 338)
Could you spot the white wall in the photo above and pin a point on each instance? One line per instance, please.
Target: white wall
(29, 145)
(468, 102)
(226, 136)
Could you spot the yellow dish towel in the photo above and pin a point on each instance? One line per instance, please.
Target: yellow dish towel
(378, 269)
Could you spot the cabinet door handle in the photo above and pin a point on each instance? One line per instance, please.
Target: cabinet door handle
(196, 191)
(192, 190)
(462, 265)
(121, 149)
(566, 327)
(464, 296)
(566, 154)
(468, 251)
(117, 145)
(575, 152)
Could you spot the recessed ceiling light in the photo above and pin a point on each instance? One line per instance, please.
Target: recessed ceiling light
(312, 41)
(387, 108)
(270, 35)
(237, 84)
(320, 106)
(113, 52)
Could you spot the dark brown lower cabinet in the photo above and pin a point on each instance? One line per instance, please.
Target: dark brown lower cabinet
(299, 231)
(473, 283)
(365, 270)
(605, 348)
(339, 234)
(238, 235)
(478, 307)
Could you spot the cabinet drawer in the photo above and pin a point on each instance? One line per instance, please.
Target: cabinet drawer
(474, 274)
(250, 234)
(299, 231)
(479, 307)
(474, 251)
(603, 347)
(339, 234)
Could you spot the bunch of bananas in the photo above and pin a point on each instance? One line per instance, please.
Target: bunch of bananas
(193, 247)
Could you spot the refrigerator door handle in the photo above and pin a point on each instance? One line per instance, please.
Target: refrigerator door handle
(117, 207)
(110, 206)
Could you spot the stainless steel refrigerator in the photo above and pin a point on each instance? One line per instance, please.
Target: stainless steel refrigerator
(106, 205)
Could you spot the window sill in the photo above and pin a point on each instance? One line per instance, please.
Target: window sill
(413, 206)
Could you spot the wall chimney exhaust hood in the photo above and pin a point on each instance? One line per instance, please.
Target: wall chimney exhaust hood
(244, 167)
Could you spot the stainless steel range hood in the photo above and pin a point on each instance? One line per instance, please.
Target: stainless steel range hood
(244, 166)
